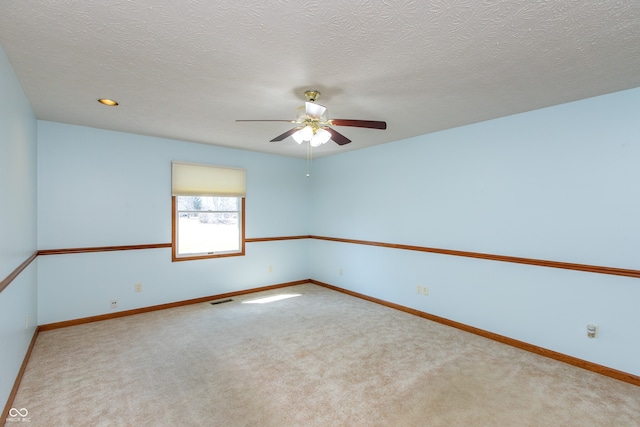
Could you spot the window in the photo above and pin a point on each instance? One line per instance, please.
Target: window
(208, 211)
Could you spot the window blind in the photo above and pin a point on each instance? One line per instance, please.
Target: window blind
(189, 179)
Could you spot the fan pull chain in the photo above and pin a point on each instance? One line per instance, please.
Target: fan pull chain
(309, 159)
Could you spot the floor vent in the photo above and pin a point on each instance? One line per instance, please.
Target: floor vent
(221, 301)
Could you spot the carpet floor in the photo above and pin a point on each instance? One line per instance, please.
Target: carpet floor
(315, 358)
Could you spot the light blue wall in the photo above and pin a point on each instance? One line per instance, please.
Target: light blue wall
(104, 188)
(559, 184)
(17, 224)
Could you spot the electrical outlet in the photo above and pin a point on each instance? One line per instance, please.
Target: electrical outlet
(592, 331)
(114, 303)
(271, 269)
(425, 291)
(138, 287)
(340, 271)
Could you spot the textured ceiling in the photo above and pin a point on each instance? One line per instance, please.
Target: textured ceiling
(188, 69)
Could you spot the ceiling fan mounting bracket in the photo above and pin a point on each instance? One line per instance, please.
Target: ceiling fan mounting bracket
(312, 95)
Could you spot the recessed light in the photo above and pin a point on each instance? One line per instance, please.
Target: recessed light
(107, 101)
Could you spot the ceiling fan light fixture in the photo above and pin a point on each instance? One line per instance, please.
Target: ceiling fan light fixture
(315, 142)
(297, 137)
(304, 134)
(321, 137)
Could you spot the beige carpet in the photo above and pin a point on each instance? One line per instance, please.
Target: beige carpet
(319, 359)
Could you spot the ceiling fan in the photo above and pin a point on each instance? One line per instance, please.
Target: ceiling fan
(313, 124)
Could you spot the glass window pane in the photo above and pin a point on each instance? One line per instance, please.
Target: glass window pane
(208, 225)
(201, 203)
(208, 232)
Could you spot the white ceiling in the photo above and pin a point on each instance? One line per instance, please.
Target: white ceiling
(188, 69)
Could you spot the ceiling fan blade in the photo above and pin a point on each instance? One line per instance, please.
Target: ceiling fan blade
(337, 137)
(284, 135)
(370, 124)
(288, 121)
(315, 110)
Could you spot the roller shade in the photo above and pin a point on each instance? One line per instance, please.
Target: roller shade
(189, 179)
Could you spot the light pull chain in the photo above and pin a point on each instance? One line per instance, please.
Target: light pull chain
(309, 159)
